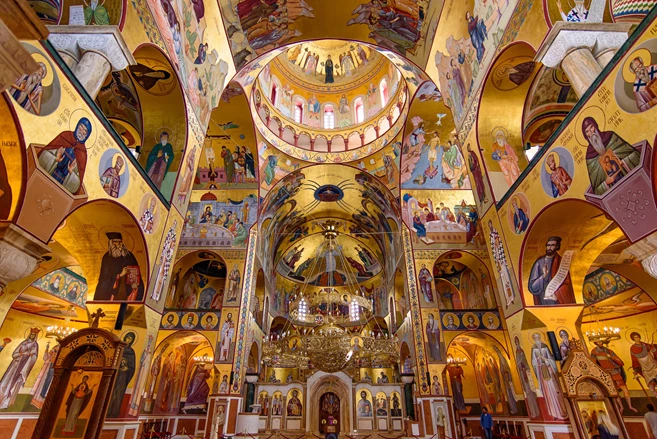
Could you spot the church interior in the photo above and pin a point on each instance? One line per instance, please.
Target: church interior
(345, 219)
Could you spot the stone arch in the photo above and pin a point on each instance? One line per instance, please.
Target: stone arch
(76, 239)
(503, 97)
(195, 269)
(163, 109)
(583, 229)
(339, 384)
(475, 282)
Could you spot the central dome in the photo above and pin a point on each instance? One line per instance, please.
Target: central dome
(329, 95)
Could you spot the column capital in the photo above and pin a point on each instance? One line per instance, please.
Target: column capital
(565, 37)
(105, 40)
(20, 253)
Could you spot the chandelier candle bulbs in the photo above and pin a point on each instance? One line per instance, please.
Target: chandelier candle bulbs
(59, 332)
(604, 335)
(203, 359)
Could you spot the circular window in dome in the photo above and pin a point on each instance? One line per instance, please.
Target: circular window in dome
(329, 96)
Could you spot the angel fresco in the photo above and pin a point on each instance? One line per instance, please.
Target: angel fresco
(267, 23)
(395, 25)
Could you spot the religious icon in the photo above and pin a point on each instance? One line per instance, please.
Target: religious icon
(95, 13)
(644, 361)
(579, 12)
(120, 276)
(234, 279)
(294, 406)
(164, 264)
(501, 263)
(197, 389)
(545, 369)
(608, 157)
(641, 73)
(71, 421)
(43, 380)
(433, 338)
(520, 214)
(226, 338)
(456, 374)
(123, 376)
(147, 77)
(147, 217)
(505, 155)
(557, 169)
(142, 376)
(545, 282)
(65, 157)
(364, 405)
(114, 178)
(526, 380)
(23, 359)
(28, 90)
(189, 320)
(159, 160)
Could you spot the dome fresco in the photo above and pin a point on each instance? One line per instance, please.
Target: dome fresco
(337, 216)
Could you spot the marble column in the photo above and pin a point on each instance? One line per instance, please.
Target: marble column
(91, 52)
(581, 68)
(645, 251)
(20, 254)
(581, 50)
(91, 71)
(606, 46)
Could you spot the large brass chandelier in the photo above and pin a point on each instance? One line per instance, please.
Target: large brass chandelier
(333, 340)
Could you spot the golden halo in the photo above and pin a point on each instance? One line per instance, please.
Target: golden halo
(559, 328)
(159, 133)
(645, 56)
(134, 334)
(28, 330)
(50, 75)
(496, 129)
(557, 160)
(642, 333)
(115, 159)
(175, 318)
(128, 239)
(496, 320)
(213, 320)
(597, 114)
(530, 336)
(186, 317)
(73, 123)
(474, 317)
(457, 321)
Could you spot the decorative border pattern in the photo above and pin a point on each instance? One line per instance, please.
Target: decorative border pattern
(247, 291)
(417, 334)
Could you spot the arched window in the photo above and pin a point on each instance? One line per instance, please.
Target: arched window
(360, 110)
(329, 117)
(383, 87)
(303, 309)
(354, 311)
(298, 111)
(274, 95)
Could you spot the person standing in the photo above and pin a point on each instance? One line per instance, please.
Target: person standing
(487, 423)
(606, 428)
(651, 420)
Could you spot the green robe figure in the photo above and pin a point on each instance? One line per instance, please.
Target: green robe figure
(159, 160)
(229, 164)
(604, 148)
(95, 13)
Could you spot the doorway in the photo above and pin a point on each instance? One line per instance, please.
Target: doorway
(329, 413)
